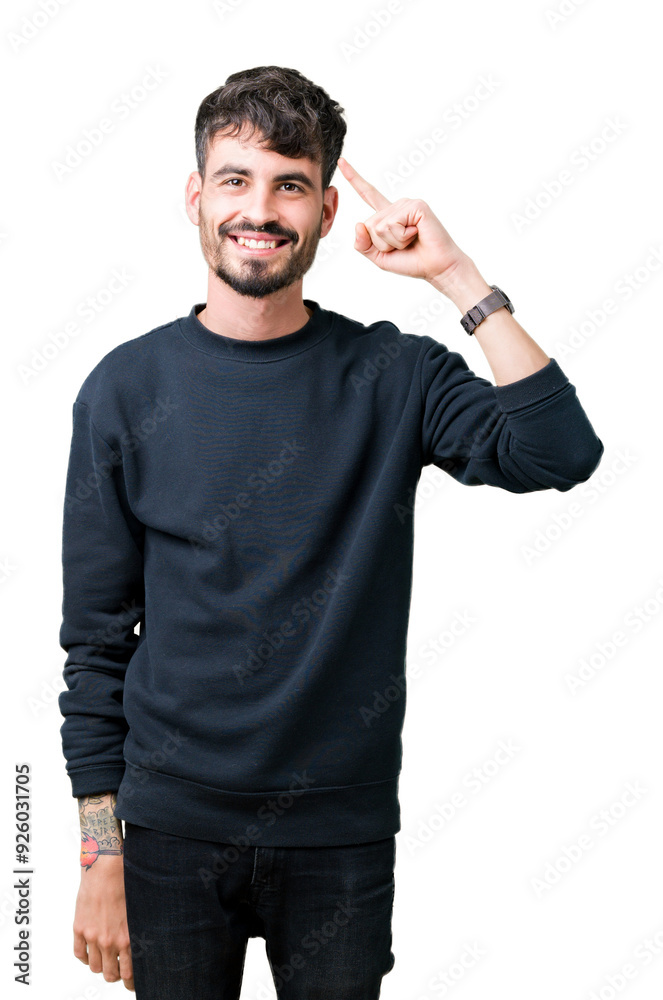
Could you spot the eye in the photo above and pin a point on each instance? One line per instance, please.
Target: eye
(232, 182)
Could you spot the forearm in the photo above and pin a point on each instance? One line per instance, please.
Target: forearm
(101, 830)
(512, 354)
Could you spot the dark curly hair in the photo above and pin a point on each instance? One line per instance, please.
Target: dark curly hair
(294, 116)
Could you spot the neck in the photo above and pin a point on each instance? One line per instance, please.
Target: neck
(233, 315)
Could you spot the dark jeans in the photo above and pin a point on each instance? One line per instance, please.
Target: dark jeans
(324, 912)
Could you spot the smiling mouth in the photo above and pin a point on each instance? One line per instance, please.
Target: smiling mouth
(265, 245)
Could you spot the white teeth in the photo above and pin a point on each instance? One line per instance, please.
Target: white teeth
(256, 244)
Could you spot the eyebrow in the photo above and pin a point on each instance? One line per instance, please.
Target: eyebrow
(230, 168)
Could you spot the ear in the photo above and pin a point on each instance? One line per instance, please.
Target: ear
(194, 187)
(329, 209)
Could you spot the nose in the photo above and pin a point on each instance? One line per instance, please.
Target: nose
(259, 206)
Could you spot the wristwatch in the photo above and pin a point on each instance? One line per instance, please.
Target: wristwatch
(485, 307)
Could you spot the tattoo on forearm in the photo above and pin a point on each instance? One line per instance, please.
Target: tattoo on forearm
(101, 832)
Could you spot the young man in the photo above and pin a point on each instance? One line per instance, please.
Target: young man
(240, 482)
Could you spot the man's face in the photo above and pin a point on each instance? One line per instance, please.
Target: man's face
(251, 192)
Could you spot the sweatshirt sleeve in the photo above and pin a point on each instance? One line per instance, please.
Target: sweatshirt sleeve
(103, 599)
(532, 434)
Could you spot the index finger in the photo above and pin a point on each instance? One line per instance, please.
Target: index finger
(367, 191)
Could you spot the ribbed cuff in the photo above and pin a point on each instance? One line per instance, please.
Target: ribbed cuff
(532, 388)
(96, 779)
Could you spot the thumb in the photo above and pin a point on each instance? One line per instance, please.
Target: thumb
(363, 241)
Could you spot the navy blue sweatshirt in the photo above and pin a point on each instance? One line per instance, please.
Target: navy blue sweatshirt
(249, 506)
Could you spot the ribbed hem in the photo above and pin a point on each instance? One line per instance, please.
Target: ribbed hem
(532, 388)
(298, 816)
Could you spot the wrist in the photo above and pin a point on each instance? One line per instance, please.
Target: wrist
(103, 866)
(463, 284)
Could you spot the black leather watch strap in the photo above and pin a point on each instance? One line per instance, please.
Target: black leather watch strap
(485, 307)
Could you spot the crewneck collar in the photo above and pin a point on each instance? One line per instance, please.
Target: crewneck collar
(319, 325)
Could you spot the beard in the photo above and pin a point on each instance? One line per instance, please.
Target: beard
(257, 276)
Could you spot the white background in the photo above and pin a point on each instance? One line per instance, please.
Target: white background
(546, 586)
